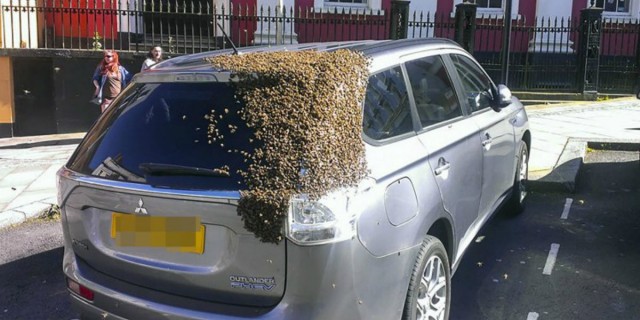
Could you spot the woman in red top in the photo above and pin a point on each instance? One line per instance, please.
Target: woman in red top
(109, 78)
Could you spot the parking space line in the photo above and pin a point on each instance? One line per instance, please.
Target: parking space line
(567, 207)
(533, 316)
(551, 259)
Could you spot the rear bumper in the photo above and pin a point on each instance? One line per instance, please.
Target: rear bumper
(336, 281)
(89, 311)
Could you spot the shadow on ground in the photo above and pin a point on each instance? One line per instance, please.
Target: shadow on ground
(34, 288)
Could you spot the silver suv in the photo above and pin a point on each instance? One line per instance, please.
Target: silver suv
(444, 146)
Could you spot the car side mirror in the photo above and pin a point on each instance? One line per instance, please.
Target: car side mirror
(503, 98)
(638, 94)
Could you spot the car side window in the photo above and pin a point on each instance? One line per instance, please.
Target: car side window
(433, 92)
(476, 84)
(386, 107)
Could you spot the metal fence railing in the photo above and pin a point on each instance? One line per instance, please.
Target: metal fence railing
(428, 25)
(619, 55)
(181, 26)
(544, 53)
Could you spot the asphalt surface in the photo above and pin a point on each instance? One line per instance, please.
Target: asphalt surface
(594, 276)
(31, 279)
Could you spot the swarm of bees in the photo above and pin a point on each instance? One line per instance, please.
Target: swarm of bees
(305, 110)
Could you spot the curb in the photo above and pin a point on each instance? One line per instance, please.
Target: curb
(563, 176)
(616, 145)
(21, 214)
(578, 105)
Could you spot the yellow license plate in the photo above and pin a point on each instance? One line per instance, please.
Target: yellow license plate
(181, 234)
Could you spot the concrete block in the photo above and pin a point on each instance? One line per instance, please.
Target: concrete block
(563, 176)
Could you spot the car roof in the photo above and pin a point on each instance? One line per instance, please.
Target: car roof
(370, 48)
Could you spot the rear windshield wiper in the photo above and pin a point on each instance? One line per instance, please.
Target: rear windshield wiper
(161, 169)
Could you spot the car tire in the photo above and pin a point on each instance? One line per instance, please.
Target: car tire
(519, 190)
(429, 293)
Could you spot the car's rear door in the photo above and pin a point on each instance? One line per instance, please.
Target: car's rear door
(406, 197)
(455, 154)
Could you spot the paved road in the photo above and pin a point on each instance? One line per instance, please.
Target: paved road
(31, 280)
(595, 271)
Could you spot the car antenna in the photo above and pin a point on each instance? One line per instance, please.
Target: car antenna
(235, 50)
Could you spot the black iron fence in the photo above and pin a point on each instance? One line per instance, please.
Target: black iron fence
(585, 54)
(180, 26)
(544, 54)
(619, 56)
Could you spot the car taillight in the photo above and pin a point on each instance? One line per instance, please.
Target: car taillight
(311, 222)
(80, 289)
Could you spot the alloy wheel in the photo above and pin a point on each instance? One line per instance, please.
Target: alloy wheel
(523, 174)
(432, 296)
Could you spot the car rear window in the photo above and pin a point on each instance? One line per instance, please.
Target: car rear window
(161, 134)
(386, 108)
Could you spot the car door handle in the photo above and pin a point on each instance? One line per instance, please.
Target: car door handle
(488, 140)
(443, 166)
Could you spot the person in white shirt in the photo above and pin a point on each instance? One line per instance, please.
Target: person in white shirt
(154, 56)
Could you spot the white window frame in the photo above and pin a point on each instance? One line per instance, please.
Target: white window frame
(489, 2)
(371, 7)
(493, 12)
(624, 16)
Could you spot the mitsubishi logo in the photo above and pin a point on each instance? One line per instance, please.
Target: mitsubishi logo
(140, 209)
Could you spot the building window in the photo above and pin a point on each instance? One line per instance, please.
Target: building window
(621, 10)
(493, 8)
(373, 7)
(489, 4)
(337, 2)
(619, 6)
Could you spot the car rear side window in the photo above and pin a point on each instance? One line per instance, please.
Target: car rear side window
(433, 92)
(386, 108)
(161, 134)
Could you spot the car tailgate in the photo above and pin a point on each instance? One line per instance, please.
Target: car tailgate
(234, 267)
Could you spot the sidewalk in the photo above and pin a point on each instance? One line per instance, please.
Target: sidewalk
(559, 133)
(28, 167)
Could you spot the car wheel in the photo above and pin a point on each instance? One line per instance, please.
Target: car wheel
(519, 192)
(429, 294)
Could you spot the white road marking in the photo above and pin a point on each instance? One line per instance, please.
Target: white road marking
(533, 316)
(567, 207)
(551, 259)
